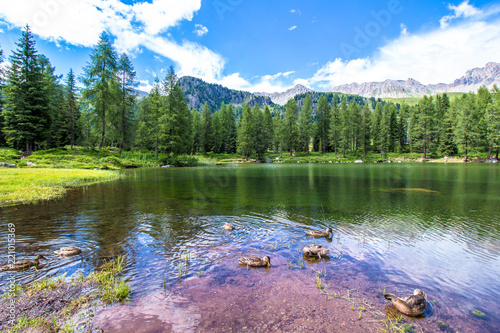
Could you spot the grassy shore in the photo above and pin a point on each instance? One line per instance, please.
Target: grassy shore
(26, 185)
(52, 304)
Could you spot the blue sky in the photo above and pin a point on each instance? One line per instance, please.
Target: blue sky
(264, 45)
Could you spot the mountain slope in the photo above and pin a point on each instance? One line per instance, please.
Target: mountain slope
(471, 81)
(282, 98)
(197, 92)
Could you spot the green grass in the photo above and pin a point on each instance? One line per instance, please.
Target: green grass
(26, 185)
(111, 287)
(411, 101)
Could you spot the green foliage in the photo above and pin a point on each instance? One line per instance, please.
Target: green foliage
(478, 313)
(26, 112)
(290, 128)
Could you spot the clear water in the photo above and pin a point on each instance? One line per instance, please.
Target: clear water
(403, 226)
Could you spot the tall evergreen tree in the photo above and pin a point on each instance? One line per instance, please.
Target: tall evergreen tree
(393, 129)
(268, 128)
(245, 132)
(175, 119)
(403, 126)
(377, 133)
(26, 110)
(355, 124)
(196, 131)
(365, 130)
(492, 119)
(260, 141)
(228, 118)
(427, 113)
(305, 124)
(323, 122)
(101, 83)
(71, 108)
(290, 129)
(277, 137)
(217, 133)
(345, 132)
(206, 129)
(127, 98)
(335, 125)
(464, 109)
(148, 129)
(56, 134)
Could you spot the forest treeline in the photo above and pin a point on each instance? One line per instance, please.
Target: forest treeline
(41, 110)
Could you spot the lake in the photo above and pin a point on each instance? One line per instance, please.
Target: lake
(396, 227)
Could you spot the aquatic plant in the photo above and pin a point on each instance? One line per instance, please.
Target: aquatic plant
(478, 313)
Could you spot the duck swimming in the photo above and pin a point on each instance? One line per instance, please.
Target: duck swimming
(412, 306)
(21, 265)
(315, 251)
(228, 226)
(255, 261)
(68, 251)
(318, 233)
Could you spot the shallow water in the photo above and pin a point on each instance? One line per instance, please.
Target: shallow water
(398, 227)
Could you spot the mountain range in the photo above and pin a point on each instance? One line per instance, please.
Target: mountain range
(197, 91)
(471, 81)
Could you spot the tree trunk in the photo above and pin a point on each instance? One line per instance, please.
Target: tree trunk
(489, 151)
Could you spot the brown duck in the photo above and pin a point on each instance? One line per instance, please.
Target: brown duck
(315, 251)
(21, 265)
(412, 306)
(318, 233)
(254, 261)
(68, 251)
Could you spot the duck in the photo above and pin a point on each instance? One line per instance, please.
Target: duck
(318, 233)
(412, 306)
(22, 264)
(315, 251)
(68, 251)
(255, 261)
(228, 226)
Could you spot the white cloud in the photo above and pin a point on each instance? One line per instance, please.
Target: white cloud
(295, 11)
(404, 30)
(200, 30)
(438, 56)
(145, 86)
(292, 28)
(265, 83)
(463, 10)
(80, 22)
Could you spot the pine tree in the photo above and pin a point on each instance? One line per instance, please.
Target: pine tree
(127, 98)
(101, 83)
(290, 129)
(323, 122)
(377, 131)
(464, 109)
(56, 134)
(268, 128)
(393, 130)
(245, 132)
(335, 125)
(493, 122)
(71, 108)
(445, 142)
(196, 131)
(365, 130)
(403, 126)
(305, 124)
(355, 124)
(26, 110)
(229, 126)
(175, 119)
(206, 129)
(277, 137)
(217, 132)
(345, 131)
(148, 129)
(427, 111)
(260, 142)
